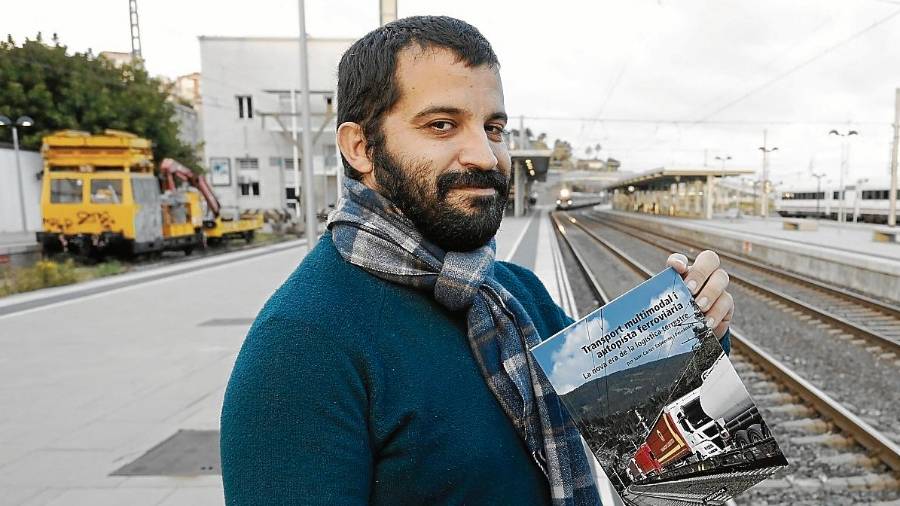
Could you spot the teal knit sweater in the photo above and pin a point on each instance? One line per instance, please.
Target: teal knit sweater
(353, 390)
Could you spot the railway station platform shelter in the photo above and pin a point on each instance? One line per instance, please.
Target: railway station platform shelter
(677, 191)
(529, 165)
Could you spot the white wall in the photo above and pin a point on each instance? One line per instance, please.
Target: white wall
(10, 210)
(234, 66)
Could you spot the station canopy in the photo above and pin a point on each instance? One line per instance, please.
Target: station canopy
(662, 178)
(535, 162)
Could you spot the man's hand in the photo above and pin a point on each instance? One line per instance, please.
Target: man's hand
(707, 282)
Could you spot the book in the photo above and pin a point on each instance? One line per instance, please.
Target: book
(657, 400)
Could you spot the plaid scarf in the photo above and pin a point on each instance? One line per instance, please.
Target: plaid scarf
(371, 233)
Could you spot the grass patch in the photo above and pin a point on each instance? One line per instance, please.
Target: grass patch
(108, 268)
(49, 273)
(43, 274)
(271, 238)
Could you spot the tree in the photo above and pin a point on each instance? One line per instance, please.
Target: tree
(83, 92)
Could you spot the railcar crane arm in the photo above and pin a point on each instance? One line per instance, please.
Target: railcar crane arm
(170, 169)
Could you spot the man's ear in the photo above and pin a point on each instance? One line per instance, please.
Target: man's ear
(352, 143)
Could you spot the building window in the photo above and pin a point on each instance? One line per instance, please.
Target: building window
(245, 106)
(330, 154)
(247, 163)
(284, 163)
(250, 189)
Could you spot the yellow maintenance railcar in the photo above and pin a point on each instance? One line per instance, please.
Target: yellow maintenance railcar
(101, 195)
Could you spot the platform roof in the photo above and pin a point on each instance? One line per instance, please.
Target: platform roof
(667, 175)
(537, 162)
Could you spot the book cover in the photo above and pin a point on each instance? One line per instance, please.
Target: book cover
(657, 400)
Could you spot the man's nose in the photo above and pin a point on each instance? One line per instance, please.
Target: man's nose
(477, 151)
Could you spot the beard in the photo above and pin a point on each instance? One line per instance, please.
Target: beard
(425, 202)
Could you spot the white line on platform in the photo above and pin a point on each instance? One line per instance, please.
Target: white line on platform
(515, 247)
(562, 276)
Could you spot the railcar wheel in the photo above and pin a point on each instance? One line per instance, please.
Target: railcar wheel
(755, 433)
(742, 438)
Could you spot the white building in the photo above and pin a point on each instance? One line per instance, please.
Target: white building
(247, 85)
(10, 204)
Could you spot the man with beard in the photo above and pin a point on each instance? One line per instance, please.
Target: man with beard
(392, 367)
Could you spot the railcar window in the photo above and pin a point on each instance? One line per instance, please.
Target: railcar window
(65, 191)
(106, 191)
(803, 196)
(876, 194)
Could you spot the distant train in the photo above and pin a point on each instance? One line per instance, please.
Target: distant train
(568, 199)
(867, 203)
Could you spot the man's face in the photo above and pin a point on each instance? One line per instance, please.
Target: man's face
(444, 161)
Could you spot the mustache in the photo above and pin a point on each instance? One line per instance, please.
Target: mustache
(472, 179)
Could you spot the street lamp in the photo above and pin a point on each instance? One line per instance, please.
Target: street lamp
(856, 201)
(723, 160)
(818, 177)
(845, 157)
(723, 191)
(764, 207)
(24, 122)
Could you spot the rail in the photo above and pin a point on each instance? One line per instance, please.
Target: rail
(877, 443)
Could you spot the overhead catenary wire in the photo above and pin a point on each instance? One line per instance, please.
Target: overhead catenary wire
(805, 63)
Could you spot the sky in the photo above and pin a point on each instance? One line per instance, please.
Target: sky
(564, 361)
(653, 82)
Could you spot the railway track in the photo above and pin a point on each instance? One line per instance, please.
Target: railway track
(874, 321)
(836, 457)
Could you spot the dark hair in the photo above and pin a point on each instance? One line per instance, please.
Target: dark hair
(367, 83)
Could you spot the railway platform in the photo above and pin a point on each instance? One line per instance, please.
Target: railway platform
(122, 407)
(840, 255)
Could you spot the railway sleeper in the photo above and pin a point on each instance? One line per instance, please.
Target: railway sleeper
(776, 398)
(832, 439)
(869, 482)
(752, 375)
(805, 426)
(792, 409)
(850, 459)
(763, 385)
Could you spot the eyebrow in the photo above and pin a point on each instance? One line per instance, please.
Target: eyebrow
(455, 111)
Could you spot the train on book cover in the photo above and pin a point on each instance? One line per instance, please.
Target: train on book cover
(715, 419)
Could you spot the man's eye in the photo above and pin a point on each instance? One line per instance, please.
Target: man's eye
(495, 129)
(442, 126)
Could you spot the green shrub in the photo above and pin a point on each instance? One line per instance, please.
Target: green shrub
(43, 274)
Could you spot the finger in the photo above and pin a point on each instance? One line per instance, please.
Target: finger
(715, 285)
(678, 261)
(705, 264)
(721, 309)
(722, 327)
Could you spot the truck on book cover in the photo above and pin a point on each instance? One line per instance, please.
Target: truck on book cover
(716, 418)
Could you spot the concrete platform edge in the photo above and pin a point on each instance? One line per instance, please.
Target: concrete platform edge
(868, 276)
